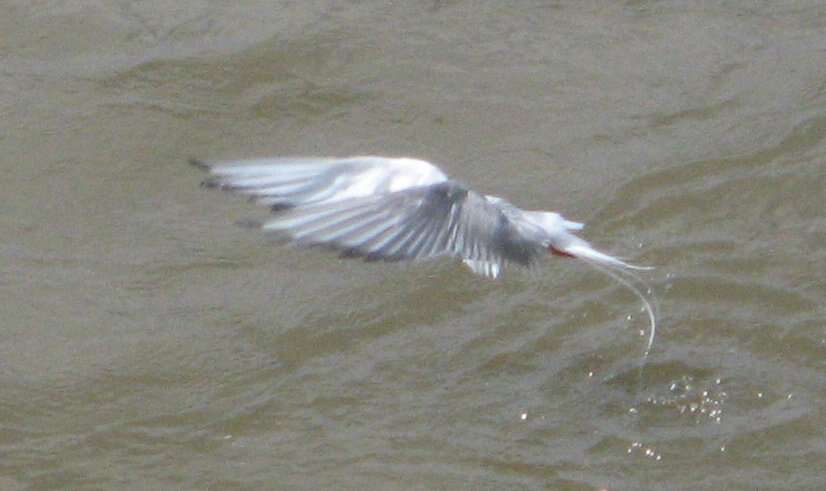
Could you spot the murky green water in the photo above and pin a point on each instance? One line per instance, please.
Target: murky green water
(148, 343)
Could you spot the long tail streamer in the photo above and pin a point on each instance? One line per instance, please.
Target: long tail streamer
(617, 273)
(622, 273)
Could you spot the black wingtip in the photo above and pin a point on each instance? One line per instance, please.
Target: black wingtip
(200, 164)
(209, 182)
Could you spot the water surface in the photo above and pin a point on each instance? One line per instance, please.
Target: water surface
(149, 343)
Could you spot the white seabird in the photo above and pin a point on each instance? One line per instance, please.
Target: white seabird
(395, 209)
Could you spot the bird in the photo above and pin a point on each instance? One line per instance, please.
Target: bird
(400, 208)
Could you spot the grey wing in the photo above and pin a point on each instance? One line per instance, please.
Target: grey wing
(443, 219)
(301, 181)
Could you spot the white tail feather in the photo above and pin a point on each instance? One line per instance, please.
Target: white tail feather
(585, 251)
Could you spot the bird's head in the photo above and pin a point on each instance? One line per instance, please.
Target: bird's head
(557, 231)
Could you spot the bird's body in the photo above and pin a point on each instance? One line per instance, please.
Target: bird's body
(399, 209)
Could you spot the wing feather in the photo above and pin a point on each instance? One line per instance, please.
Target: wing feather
(288, 182)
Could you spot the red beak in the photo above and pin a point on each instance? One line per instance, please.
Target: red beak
(558, 252)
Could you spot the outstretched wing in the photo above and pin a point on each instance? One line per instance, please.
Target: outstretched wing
(382, 209)
(290, 182)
